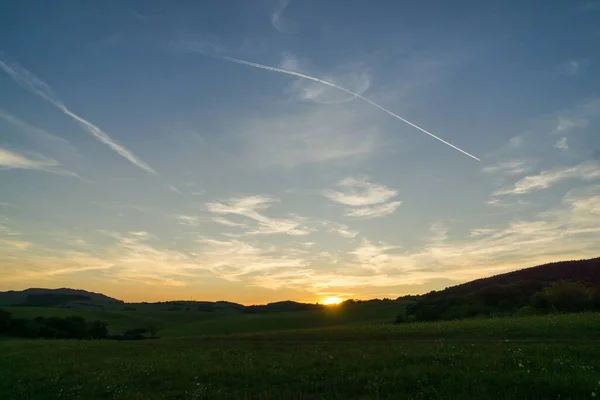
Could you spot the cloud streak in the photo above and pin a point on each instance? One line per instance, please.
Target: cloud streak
(314, 79)
(48, 140)
(359, 192)
(341, 229)
(586, 171)
(377, 211)
(316, 136)
(280, 23)
(562, 143)
(319, 93)
(571, 67)
(366, 199)
(13, 160)
(512, 167)
(32, 83)
(249, 207)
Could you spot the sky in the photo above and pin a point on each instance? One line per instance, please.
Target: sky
(256, 151)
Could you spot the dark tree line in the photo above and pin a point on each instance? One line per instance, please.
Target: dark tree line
(71, 327)
(52, 299)
(509, 299)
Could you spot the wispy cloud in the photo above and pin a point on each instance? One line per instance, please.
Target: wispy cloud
(341, 229)
(566, 124)
(573, 225)
(174, 189)
(577, 117)
(571, 67)
(234, 260)
(369, 254)
(343, 89)
(586, 171)
(281, 23)
(312, 136)
(439, 231)
(12, 160)
(6, 227)
(226, 222)
(478, 232)
(511, 167)
(376, 211)
(16, 244)
(368, 200)
(250, 206)
(562, 144)
(516, 142)
(50, 141)
(32, 83)
(188, 220)
(359, 192)
(509, 205)
(350, 75)
(290, 62)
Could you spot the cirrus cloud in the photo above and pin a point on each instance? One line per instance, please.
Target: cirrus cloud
(366, 199)
(249, 208)
(12, 160)
(586, 171)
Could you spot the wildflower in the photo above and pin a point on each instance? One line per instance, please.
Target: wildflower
(593, 394)
(520, 365)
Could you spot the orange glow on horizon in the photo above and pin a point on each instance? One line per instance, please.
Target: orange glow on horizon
(331, 301)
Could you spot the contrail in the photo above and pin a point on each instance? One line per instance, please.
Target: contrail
(333, 85)
(38, 87)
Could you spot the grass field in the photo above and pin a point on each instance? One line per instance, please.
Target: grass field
(548, 357)
(193, 323)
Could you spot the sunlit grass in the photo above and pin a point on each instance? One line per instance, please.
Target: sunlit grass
(506, 358)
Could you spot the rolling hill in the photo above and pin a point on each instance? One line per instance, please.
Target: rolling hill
(505, 293)
(511, 292)
(52, 297)
(585, 271)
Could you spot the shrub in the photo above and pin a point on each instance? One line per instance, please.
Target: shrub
(98, 330)
(563, 296)
(4, 321)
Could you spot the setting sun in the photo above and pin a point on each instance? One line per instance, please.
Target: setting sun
(331, 301)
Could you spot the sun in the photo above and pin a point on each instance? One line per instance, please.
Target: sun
(331, 301)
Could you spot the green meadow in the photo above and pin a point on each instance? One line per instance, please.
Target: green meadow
(334, 353)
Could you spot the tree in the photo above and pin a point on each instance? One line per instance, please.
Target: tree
(563, 296)
(21, 327)
(4, 321)
(595, 297)
(152, 330)
(76, 327)
(400, 318)
(97, 330)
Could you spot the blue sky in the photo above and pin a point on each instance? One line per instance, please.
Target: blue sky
(143, 157)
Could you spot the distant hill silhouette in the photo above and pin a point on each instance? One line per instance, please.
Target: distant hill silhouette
(513, 288)
(584, 271)
(76, 298)
(51, 297)
(280, 306)
(209, 306)
(507, 293)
